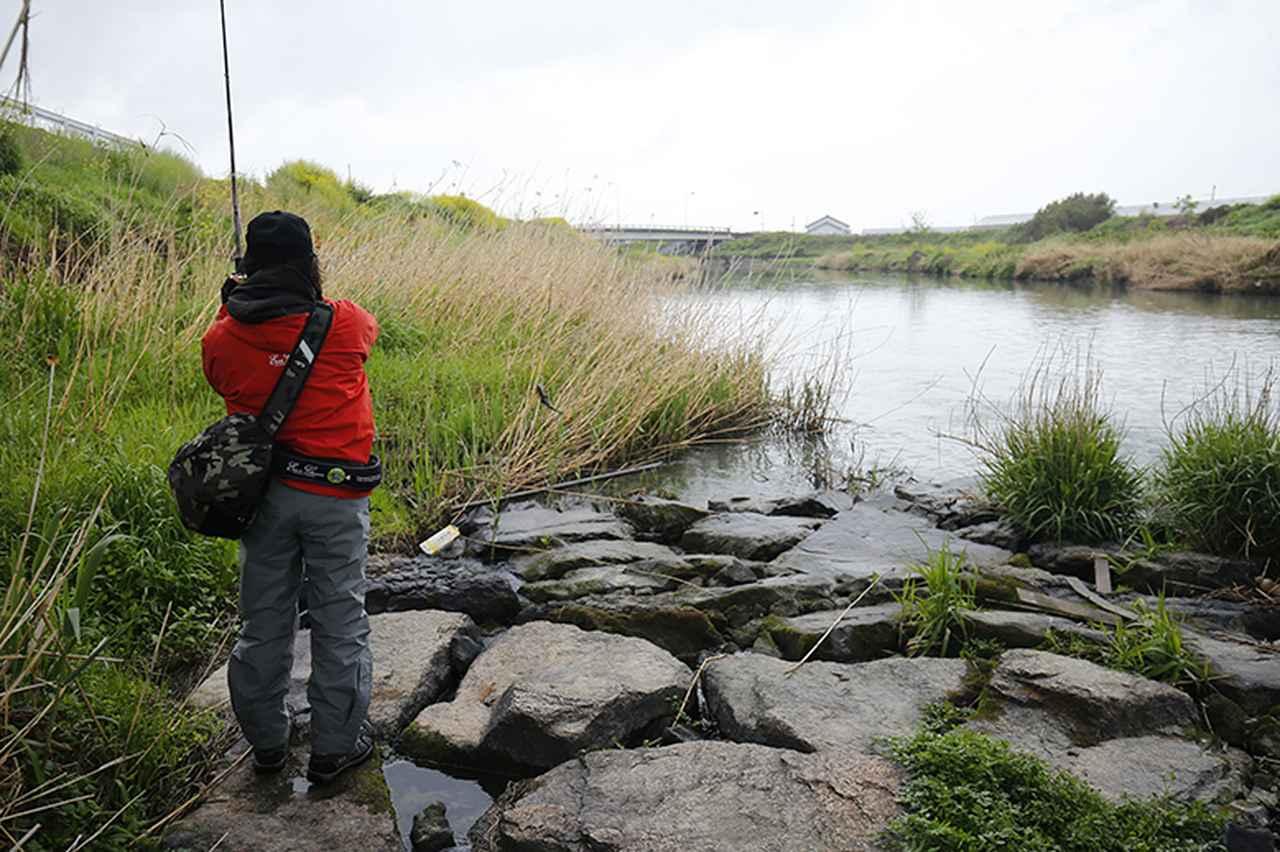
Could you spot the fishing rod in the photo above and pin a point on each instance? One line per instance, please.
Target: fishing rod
(231, 135)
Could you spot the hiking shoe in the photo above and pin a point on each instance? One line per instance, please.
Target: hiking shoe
(266, 761)
(323, 768)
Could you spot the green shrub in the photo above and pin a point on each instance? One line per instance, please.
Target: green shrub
(934, 602)
(970, 792)
(1151, 646)
(302, 182)
(1074, 214)
(11, 156)
(1219, 481)
(466, 213)
(1054, 463)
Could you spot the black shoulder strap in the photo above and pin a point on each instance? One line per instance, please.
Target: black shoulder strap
(289, 386)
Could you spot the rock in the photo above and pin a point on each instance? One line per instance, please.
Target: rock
(1264, 740)
(875, 538)
(734, 573)
(663, 520)
(1122, 734)
(1000, 533)
(952, 505)
(820, 504)
(1023, 629)
(282, 813)
(458, 585)
(698, 797)
(1227, 721)
(826, 705)
(864, 633)
(746, 535)
(1174, 573)
(554, 564)
(417, 657)
(526, 527)
(1247, 674)
(542, 692)
(1074, 560)
(598, 580)
(1213, 614)
(1237, 838)
(431, 831)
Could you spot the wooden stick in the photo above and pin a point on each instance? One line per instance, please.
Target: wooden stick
(875, 578)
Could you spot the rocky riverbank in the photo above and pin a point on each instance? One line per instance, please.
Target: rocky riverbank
(631, 667)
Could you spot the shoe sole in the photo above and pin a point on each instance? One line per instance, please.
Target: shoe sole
(269, 768)
(316, 777)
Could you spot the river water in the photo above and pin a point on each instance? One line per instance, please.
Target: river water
(914, 352)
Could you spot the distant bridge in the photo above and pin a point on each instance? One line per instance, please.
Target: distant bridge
(670, 239)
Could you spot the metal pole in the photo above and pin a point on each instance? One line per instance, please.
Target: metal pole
(231, 133)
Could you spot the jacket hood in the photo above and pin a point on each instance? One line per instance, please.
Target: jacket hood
(268, 294)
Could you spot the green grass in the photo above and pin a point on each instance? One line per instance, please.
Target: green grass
(1053, 463)
(1218, 483)
(934, 602)
(1152, 646)
(967, 792)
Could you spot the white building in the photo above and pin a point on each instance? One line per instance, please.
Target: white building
(827, 225)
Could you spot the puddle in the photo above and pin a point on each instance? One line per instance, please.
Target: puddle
(414, 787)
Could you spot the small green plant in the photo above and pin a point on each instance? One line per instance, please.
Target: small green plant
(1054, 464)
(934, 602)
(11, 157)
(1219, 481)
(967, 791)
(1151, 646)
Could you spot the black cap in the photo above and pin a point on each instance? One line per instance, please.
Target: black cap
(277, 237)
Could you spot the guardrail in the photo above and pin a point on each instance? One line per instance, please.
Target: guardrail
(48, 119)
(684, 229)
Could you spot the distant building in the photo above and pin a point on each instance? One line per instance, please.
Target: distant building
(827, 225)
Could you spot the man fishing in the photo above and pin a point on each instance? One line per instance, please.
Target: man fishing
(314, 518)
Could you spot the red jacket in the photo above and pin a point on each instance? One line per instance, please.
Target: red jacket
(333, 418)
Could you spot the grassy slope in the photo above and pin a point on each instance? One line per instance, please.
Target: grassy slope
(109, 273)
(1222, 249)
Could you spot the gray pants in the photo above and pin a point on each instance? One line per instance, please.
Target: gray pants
(328, 539)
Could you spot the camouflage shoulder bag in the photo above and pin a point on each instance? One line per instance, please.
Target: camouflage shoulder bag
(219, 477)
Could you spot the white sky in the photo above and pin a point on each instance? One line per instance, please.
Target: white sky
(705, 112)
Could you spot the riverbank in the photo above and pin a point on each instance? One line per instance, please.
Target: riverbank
(111, 262)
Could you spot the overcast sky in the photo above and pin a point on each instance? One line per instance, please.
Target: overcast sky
(742, 113)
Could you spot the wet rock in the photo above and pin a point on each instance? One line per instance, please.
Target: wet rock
(417, 657)
(542, 692)
(598, 580)
(282, 813)
(1183, 573)
(1000, 533)
(698, 797)
(864, 633)
(1248, 674)
(527, 527)
(1123, 734)
(1023, 629)
(952, 505)
(431, 831)
(820, 504)
(746, 535)
(554, 564)
(662, 520)
(875, 538)
(826, 705)
(453, 585)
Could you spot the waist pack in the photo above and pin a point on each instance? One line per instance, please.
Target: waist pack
(218, 478)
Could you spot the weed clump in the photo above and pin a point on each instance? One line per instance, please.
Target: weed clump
(967, 791)
(1219, 481)
(933, 605)
(1054, 463)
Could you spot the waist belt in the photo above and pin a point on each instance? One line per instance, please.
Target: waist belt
(342, 474)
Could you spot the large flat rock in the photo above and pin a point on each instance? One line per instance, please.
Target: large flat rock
(1125, 735)
(874, 537)
(747, 535)
(826, 705)
(283, 813)
(417, 657)
(861, 634)
(698, 797)
(1248, 674)
(542, 692)
(529, 527)
(819, 504)
(554, 564)
(659, 519)
(631, 579)
(453, 585)
(1024, 629)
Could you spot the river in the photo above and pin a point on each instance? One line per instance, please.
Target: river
(915, 351)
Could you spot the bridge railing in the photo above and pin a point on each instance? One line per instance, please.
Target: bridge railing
(48, 119)
(682, 229)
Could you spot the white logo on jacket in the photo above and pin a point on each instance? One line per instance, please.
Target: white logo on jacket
(278, 359)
